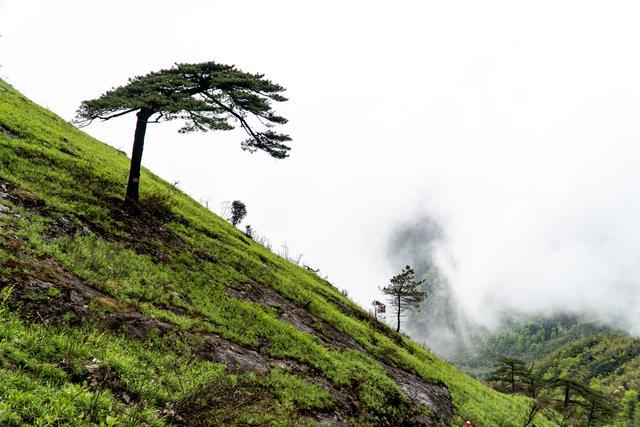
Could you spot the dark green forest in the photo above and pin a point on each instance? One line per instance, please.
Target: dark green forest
(551, 351)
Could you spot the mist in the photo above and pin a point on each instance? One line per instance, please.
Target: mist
(522, 256)
(439, 323)
(511, 128)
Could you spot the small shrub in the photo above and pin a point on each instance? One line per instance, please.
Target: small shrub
(238, 212)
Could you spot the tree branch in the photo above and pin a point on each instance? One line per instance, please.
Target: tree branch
(81, 123)
(196, 121)
(122, 113)
(157, 120)
(243, 122)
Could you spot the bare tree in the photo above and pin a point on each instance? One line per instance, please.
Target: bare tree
(290, 257)
(225, 209)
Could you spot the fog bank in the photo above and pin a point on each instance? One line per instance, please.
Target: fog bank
(503, 262)
(512, 125)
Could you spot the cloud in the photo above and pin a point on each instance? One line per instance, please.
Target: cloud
(513, 125)
(541, 254)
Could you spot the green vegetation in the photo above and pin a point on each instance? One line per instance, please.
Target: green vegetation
(572, 398)
(600, 366)
(607, 362)
(404, 294)
(510, 373)
(529, 339)
(173, 316)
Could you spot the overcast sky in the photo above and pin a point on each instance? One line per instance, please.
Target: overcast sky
(515, 125)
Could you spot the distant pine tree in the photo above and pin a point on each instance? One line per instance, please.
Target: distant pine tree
(404, 293)
(509, 372)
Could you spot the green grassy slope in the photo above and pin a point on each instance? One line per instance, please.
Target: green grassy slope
(175, 317)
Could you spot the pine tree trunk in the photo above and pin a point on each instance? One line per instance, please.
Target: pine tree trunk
(513, 379)
(133, 186)
(534, 391)
(593, 407)
(399, 304)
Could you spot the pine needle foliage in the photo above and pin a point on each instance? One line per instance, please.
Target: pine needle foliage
(206, 96)
(404, 293)
(509, 372)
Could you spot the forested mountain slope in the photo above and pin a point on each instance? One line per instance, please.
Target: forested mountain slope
(173, 317)
(528, 338)
(609, 362)
(571, 347)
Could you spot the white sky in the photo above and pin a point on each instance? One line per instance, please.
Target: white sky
(515, 124)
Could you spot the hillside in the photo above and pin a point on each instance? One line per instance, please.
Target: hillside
(609, 362)
(528, 338)
(567, 346)
(173, 317)
(610, 359)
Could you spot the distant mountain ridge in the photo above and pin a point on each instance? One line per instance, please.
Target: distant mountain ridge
(568, 346)
(529, 338)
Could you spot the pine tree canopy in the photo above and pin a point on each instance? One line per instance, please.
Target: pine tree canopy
(405, 289)
(509, 372)
(206, 96)
(404, 292)
(597, 405)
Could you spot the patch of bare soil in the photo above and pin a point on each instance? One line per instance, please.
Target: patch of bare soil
(143, 229)
(222, 403)
(326, 334)
(9, 132)
(19, 196)
(44, 292)
(434, 396)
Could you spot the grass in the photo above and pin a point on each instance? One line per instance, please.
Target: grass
(175, 264)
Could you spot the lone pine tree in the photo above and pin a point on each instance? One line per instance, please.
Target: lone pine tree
(404, 293)
(207, 96)
(509, 372)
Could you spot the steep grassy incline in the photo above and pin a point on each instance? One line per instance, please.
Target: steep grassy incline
(174, 317)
